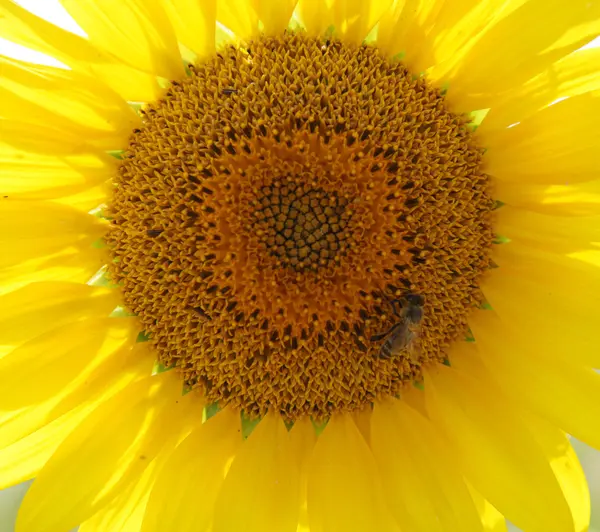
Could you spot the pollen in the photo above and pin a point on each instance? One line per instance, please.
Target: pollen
(277, 210)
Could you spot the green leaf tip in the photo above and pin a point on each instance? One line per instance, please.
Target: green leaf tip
(248, 424)
(142, 337)
(159, 367)
(319, 425)
(210, 411)
(117, 154)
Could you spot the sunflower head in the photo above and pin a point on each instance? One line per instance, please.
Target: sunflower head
(335, 271)
(273, 206)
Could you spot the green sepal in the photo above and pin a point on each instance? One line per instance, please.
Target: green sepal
(210, 411)
(372, 36)
(117, 154)
(102, 278)
(142, 337)
(469, 337)
(319, 426)
(100, 212)
(159, 367)
(137, 106)
(121, 312)
(499, 239)
(163, 83)
(476, 118)
(248, 424)
(295, 25)
(419, 385)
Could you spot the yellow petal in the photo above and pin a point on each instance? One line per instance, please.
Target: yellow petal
(551, 233)
(547, 267)
(566, 467)
(67, 100)
(528, 288)
(24, 28)
(563, 392)
(45, 139)
(275, 14)
(88, 200)
(105, 454)
(261, 491)
(138, 32)
(354, 19)
(126, 512)
(456, 27)
(558, 145)
(400, 31)
(316, 15)
(187, 486)
(303, 439)
(344, 488)
(23, 459)
(495, 452)
(575, 74)
(539, 326)
(427, 32)
(362, 420)
(239, 16)
(131, 84)
(29, 175)
(566, 274)
(107, 365)
(576, 199)
(415, 398)
(49, 365)
(194, 24)
(40, 307)
(67, 265)
(453, 33)
(472, 358)
(424, 490)
(491, 519)
(488, 69)
(39, 229)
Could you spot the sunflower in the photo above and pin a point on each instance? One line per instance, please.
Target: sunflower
(290, 266)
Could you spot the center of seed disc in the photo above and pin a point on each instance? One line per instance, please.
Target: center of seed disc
(300, 224)
(304, 227)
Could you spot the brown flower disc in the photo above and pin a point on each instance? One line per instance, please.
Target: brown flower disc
(274, 203)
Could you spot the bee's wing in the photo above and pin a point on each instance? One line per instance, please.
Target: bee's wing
(395, 340)
(414, 346)
(378, 337)
(400, 337)
(381, 336)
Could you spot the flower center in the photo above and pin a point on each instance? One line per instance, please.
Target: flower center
(304, 227)
(300, 225)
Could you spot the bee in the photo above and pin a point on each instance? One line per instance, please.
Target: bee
(402, 336)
